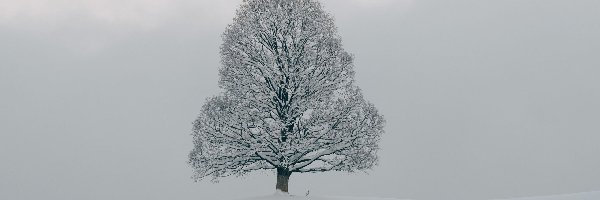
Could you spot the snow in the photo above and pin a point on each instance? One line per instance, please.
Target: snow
(283, 196)
(279, 197)
(576, 196)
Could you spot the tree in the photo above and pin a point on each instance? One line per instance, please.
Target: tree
(289, 100)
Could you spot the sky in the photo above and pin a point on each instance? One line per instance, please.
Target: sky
(483, 99)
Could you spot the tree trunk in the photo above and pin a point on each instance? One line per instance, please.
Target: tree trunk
(283, 176)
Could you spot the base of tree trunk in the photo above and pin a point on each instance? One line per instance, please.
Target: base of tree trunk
(283, 177)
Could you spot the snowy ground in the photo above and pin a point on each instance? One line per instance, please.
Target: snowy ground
(280, 196)
(277, 197)
(578, 196)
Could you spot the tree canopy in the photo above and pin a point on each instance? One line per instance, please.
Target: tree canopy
(289, 101)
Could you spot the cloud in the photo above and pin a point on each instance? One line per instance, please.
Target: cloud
(348, 9)
(89, 26)
(370, 5)
(142, 13)
(380, 3)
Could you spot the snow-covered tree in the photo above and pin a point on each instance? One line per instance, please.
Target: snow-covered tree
(289, 100)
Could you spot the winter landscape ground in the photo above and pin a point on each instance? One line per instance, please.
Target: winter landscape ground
(577, 196)
(278, 196)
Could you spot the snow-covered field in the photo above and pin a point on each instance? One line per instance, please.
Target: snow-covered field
(578, 196)
(281, 196)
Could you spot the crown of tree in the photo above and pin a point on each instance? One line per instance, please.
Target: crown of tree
(289, 100)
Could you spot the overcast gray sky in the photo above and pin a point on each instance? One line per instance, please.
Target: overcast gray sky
(483, 99)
